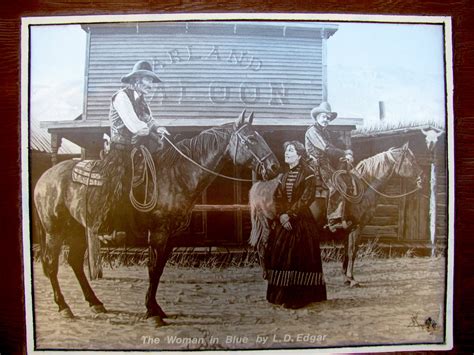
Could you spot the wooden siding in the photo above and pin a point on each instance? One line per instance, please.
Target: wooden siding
(211, 71)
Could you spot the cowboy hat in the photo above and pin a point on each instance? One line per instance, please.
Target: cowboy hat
(141, 68)
(324, 107)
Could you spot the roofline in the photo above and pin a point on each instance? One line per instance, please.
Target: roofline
(328, 29)
(395, 131)
(341, 122)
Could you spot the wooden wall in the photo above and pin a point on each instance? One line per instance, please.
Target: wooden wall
(211, 70)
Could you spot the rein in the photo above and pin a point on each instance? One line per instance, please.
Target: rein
(357, 198)
(203, 167)
(389, 196)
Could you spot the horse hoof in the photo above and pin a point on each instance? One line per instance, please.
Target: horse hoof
(98, 308)
(354, 284)
(163, 314)
(66, 313)
(156, 321)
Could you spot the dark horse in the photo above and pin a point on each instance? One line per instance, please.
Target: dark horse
(59, 203)
(375, 173)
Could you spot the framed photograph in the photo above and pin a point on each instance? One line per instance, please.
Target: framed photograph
(237, 182)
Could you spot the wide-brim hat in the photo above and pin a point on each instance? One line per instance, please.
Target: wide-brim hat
(141, 68)
(323, 107)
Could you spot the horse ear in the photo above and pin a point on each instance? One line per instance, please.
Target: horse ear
(251, 118)
(241, 119)
(405, 146)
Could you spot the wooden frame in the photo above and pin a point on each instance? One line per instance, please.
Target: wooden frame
(448, 344)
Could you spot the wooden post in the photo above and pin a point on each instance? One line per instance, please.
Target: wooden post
(431, 138)
(433, 203)
(55, 144)
(93, 256)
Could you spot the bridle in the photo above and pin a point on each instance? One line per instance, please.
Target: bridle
(245, 141)
(396, 169)
(358, 197)
(398, 164)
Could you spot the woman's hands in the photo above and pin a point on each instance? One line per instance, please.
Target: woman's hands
(285, 222)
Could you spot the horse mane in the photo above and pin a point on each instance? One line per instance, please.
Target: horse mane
(376, 166)
(212, 139)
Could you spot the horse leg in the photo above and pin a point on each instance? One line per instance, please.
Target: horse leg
(77, 249)
(50, 260)
(159, 251)
(345, 261)
(353, 239)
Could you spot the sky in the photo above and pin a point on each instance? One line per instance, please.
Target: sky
(401, 65)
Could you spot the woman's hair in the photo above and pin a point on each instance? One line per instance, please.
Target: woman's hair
(300, 149)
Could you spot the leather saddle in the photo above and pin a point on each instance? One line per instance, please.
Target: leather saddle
(87, 172)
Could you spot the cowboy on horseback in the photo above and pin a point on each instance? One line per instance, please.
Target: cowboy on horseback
(328, 154)
(131, 125)
(130, 116)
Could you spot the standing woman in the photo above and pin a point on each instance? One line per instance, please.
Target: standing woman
(293, 257)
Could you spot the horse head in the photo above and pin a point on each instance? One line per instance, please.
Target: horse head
(248, 148)
(406, 165)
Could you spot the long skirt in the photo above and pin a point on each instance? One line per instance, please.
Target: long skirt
(293, 263)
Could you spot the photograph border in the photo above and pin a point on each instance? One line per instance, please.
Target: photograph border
(445, 21)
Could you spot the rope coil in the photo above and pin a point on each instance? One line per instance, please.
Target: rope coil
(148, 169)
(341, 187)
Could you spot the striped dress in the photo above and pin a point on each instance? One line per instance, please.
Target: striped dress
(293, 258)
(290, 182)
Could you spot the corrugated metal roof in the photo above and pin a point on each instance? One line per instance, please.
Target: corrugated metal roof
(211, 71)
(394, 129)
(40, 140)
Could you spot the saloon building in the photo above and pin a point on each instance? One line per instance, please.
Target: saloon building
(210, 72)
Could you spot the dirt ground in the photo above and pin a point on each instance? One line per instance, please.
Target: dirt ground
(213, 308)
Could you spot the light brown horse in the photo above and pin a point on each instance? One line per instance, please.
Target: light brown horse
(375, 172)
(60, 203)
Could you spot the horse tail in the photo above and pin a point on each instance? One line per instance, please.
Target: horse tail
(262, 210)
(39, 232)
(256, 231)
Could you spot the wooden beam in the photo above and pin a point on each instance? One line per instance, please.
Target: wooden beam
(221, 208)
(55, 145)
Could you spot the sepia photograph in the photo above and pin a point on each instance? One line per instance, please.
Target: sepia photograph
(237, 182)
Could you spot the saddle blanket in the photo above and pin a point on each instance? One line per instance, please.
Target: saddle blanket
(83, 173)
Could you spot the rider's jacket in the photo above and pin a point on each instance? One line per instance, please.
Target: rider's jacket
(134, 114)
(323, 150)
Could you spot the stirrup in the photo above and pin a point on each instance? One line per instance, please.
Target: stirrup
(336, 224)
(346, 224)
